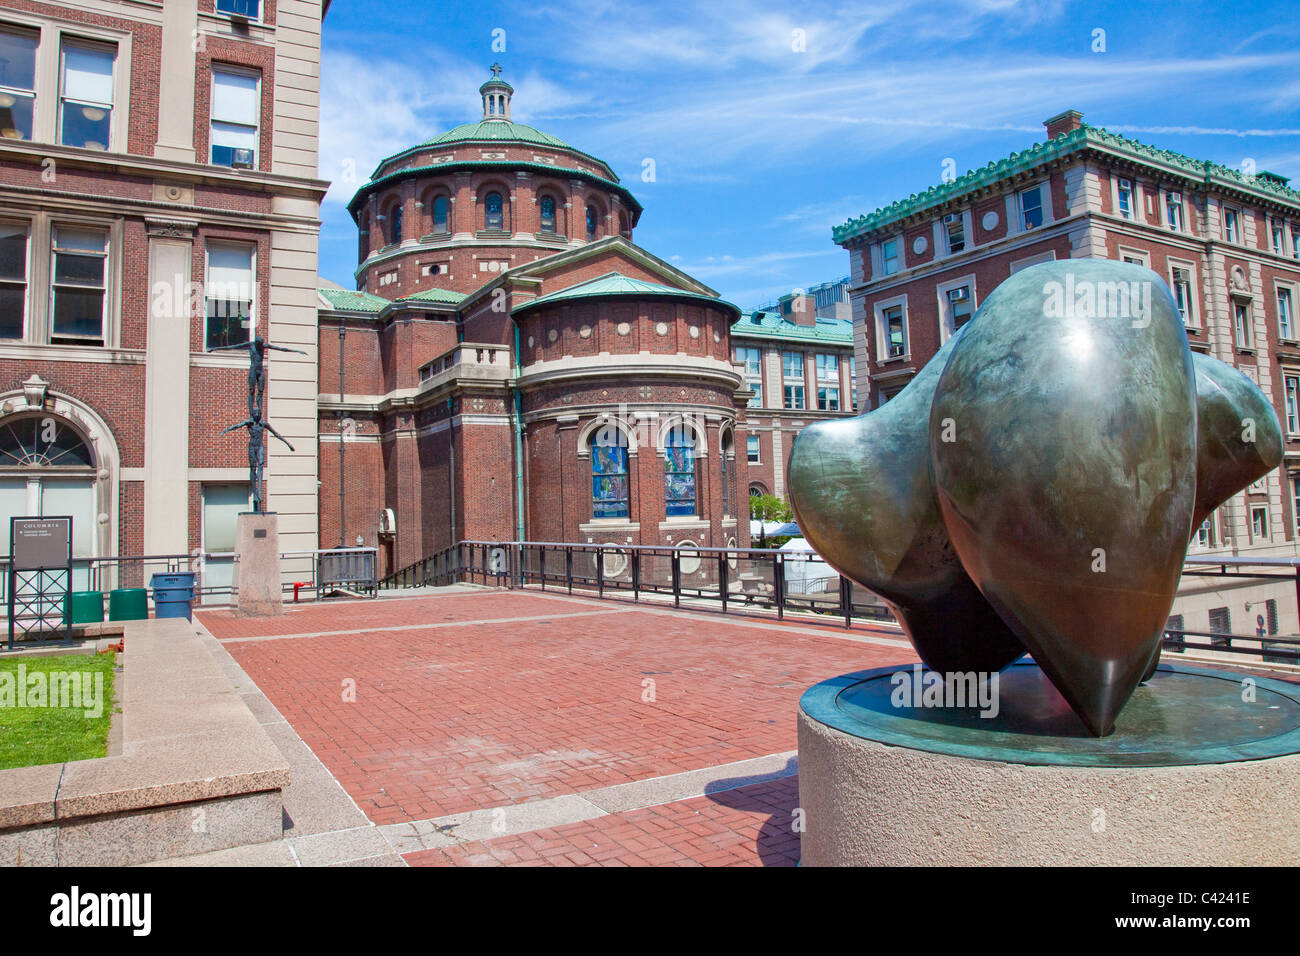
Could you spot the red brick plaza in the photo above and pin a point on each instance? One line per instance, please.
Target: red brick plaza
(429, 706)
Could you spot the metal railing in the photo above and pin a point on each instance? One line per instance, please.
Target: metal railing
(1271, 649)
(351, 567)
(732, 578)
(728, 577)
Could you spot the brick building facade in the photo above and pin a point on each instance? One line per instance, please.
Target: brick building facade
(1226, 242)
(158, 197)
(797, 360)
(513, 366)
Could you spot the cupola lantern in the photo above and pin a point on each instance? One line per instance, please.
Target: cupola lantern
(496, 94)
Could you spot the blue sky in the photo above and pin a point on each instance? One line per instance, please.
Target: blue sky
(759, 148)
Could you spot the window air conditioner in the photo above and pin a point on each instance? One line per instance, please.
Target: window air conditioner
(243, 159)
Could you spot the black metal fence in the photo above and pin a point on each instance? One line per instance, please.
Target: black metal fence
(346, 569)
(317, 572)
(731, 578)
(1270, 649)
(776, 580)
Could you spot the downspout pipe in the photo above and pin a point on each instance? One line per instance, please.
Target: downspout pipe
(343, 331)
(519, 442)
(451, 475)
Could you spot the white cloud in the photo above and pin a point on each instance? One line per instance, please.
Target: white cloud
(772, 262)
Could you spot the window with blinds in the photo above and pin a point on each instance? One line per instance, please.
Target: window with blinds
(229, 295)
(236, 109)
(86, 95)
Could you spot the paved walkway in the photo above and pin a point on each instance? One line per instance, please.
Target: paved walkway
(499, 727)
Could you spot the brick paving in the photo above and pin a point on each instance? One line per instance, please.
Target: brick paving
(749, 826)
(448, 719)
(469, 701)
(314, 617)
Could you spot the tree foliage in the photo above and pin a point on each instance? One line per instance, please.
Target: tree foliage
(769, 508)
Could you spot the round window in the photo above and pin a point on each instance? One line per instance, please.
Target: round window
(688, 561)
(615, 562)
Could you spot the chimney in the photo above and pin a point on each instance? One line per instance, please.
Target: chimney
(799, 308)
(1066, 122)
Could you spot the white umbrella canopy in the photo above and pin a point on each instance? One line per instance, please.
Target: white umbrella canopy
(808, 575)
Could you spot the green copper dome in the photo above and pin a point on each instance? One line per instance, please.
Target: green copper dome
(499, 130)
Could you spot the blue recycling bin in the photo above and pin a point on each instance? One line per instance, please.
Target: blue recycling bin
(173, 594)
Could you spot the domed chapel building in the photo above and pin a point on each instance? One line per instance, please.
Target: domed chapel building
(513, 366)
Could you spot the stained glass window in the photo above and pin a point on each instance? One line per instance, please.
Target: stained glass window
(548, 214)
(609, 474)
(679, 471)
(492, 214)
(440, 214)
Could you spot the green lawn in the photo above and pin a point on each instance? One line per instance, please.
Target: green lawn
(54, 709)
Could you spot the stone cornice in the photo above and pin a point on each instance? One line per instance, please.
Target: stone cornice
(636, 365)
(117, 206)
(1086, 140)
(133, 164)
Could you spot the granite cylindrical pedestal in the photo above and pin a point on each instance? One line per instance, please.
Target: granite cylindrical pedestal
(1203, 769)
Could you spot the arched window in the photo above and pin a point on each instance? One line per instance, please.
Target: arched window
(593, 221)
(42, 442)
(548, 214)
(608, 473)
(492, 216)
(46, 469)
(395, 224)
(679, 471)
(623, 229)
(440, 221)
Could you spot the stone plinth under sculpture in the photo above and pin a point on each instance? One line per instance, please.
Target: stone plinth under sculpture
(257, 572)
(1033, 489)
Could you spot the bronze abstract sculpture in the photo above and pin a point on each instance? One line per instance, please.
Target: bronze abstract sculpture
(255, 424)
(1035, 486)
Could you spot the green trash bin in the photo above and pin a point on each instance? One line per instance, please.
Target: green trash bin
(86, 607)
(128, 604)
